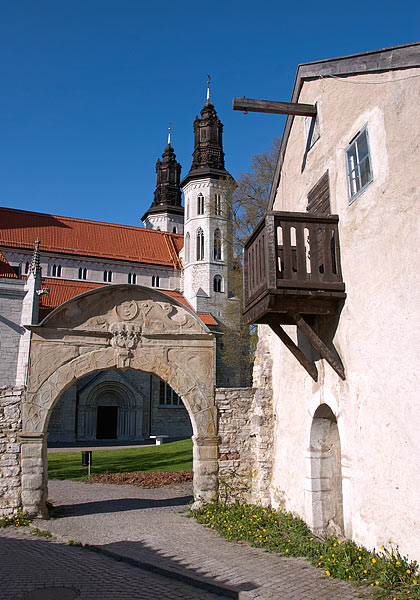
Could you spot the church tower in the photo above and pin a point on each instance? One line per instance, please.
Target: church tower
(207, 226)
(166, 212)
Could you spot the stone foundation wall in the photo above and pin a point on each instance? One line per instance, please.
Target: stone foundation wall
(10, 468)
(246, 432)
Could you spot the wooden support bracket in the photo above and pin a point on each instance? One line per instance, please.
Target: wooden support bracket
(273, 106)
(318, 344)
(295, 350)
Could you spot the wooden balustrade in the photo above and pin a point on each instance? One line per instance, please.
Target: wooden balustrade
(292, 263)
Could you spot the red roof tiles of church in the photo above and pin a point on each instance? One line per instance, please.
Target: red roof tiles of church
(62, 290)
(79, 237)
(5, 269)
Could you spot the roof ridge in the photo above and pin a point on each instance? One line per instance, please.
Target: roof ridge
(79, 220)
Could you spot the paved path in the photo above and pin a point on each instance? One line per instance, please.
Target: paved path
(32, 568)
(149, 526)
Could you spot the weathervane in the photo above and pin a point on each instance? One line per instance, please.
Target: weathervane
(169, 132)
(208, 87)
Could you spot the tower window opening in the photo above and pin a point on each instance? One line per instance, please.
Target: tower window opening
(155, 281)
(187, 248)
(200, 204)
(218, 204)
(200, 244)
(83, 273)
(107, 276)
(132, 278)
(26, 267)
(217, 245)
(217, 283)
(173, 229)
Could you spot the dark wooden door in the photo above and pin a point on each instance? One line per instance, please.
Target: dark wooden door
(106, 423)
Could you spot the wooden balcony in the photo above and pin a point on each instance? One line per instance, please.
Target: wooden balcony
(292, 272)
(292, 264)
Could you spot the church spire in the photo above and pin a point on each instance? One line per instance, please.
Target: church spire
(166, 211)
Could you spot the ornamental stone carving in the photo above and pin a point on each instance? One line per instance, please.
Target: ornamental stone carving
(125, 336)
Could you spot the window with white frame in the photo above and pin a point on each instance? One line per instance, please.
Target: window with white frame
(167, 396)
(132, 278)
(155, 281)
(83, 273)
(359, 168)
(107, 276)
(200, 204)
(200, 244)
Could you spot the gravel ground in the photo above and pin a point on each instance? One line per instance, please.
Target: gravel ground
(149, 525)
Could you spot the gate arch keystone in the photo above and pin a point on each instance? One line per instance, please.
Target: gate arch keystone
(120, 326)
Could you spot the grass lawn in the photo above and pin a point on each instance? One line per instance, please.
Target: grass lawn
(175, 456)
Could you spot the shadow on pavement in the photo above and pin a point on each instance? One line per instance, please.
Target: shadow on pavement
(117, 505)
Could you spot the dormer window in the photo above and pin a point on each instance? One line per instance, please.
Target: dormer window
(155, 281)
(26, 267)
(200, 204)
(107, 276)
(56, 271)
(82, 273)
(132, 278)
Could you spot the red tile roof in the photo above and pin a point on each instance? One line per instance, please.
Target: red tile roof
(79, 237)
(62, 290)
(5, 269)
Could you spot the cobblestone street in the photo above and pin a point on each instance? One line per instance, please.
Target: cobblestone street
(168, 555)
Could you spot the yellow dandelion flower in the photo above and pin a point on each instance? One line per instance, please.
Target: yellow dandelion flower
(359, 557)
(382, 547)
(373, 560)
(287, 549)
(376, 582)
(349, 576)
(414, 581)
(398, 562)
(339, 542)
(365, 571)
(408, 571)
(327, 573)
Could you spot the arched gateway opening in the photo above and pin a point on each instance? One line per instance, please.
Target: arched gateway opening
(119, 327)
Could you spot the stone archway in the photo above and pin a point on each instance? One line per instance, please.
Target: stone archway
(119, 326)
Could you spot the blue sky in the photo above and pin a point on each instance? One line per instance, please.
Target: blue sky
(88, 87)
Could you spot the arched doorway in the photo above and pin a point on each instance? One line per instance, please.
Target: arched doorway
(119, 327)
(326, 477)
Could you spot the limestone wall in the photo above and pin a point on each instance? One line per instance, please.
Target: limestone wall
(245, 431)
(10, 426)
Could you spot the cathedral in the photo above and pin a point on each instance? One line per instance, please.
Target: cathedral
(184, 251)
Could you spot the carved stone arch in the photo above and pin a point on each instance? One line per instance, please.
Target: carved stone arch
(120, 327)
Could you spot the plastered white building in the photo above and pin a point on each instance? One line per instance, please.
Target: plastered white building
(339, 332)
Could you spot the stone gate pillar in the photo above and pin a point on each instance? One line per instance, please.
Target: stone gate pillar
(34, 465)
(206, 468)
